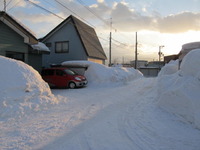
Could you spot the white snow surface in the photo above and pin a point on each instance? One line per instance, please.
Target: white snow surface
(179, 92)
(124, 113)
(170, 68)
(189, 46)
(40, 47)
(21, 89)
(98, 74)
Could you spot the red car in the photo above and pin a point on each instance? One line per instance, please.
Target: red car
(63, 77)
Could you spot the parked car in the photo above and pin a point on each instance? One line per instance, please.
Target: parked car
(63, 77)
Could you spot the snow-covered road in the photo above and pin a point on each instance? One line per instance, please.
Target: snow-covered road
(127, 118)
(122, 117)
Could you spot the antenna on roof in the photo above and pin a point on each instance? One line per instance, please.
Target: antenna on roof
(110, 42)
(5, 5)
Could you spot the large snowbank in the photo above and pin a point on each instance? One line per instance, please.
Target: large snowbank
(170, 68)
(101, 74)
(179, 92)
(21, 89)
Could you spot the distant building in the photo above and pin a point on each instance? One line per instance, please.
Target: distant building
(149, 71)
(152, 68)
(158, 64)
(186, 48)
(167, 59)
(140, 63)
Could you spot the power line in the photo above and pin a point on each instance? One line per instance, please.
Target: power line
(95, 14)
(80, 1)
(87, 22)
(15, 5)
(49, 3)
(120, 42)
(48, 11)
(8, 3)
(90, 10)
(36, 5)
(73, 12)
(4, 5)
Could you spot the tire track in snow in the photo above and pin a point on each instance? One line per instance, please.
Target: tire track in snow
(147, 127)
(127, 120)
(131, 120)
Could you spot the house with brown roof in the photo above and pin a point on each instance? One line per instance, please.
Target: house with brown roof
(168, 58)
(18, 42)
(72, 39)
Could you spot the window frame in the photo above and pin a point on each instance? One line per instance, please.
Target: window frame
(62, 50)
(16, 55)
(48, 44)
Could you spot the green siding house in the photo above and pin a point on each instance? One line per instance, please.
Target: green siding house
(17, 42)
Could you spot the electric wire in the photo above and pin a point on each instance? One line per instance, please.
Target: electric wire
(8, 3)
(18, 2)
(48, 11)
(73, 12)
(105, 22)
(91, 11)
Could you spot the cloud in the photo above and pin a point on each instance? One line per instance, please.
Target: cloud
(124, 18)
(18, 3)
(101, 9)
(181, 22)
(41, 24)
(127, 19)
(38, 18)
(100, 1)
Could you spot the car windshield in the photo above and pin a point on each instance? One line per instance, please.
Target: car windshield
(70, 72)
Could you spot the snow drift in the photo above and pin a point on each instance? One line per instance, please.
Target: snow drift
(179, 92)
(170, 68)
(101, 74)
(22, 89)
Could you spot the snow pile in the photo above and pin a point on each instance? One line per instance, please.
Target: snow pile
(170, 68)
(21, 89)
(186, 48)
(190, 46)
(179, 93)
(190, 64)
(40, 47)
(101, 74)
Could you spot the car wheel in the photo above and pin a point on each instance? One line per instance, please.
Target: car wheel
(72, 85)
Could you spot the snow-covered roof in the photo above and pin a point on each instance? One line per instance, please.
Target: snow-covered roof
(186, 48)
(80, 63)
(40, 47)
(189, 46)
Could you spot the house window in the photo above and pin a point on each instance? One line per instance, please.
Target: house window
(15, 55)
(62, 47)
(48, 44)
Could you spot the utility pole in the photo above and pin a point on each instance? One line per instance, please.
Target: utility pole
(136, 50)
(4, 5)
(160, 53)
(110, 42)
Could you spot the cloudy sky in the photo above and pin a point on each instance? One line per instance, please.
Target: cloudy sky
(171, 23)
